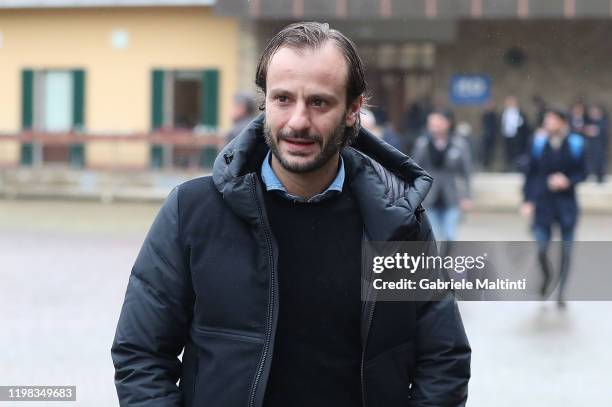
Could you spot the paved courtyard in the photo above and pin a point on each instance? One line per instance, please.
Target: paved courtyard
(64, 268)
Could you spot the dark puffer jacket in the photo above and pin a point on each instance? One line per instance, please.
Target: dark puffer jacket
(205, 281)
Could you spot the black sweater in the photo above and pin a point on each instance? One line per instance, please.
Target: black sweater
(316, 360)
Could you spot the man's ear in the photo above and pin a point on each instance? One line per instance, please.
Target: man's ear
(353, 110)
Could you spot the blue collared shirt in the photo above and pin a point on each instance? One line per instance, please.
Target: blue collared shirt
(274, 184)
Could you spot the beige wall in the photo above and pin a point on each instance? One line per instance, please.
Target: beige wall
(118, 84)
(120, 154)
(9, 153)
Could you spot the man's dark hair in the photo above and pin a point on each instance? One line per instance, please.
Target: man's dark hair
(313, 35)
(446, 113)
(559, 112)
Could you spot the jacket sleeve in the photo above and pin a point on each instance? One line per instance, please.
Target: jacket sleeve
(443, 353)
(578, 172)
(466, 170)
(420, 150)
(155, 317)
(530, 183)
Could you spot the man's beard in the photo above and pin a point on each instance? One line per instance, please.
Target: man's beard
(337, 140)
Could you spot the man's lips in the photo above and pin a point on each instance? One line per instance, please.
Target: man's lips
(298, 141)
(299, 146)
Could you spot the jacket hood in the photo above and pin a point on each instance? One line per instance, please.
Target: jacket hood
(388, 185)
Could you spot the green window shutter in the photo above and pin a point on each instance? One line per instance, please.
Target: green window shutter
(209, 103)
(78, 99)
(157, 106)
(26, 154)
(156, 156)
(27, 99)
(76, 155)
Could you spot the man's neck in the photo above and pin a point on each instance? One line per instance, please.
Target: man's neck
(556, 139)
(440, 141)
(306, 185)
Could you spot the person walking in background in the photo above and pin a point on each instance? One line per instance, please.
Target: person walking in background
(391, 136)
(243, 112)
(556, 165)
(368, 122)
(447, 158)
(384, 132)
(596, 132)
(415, 121)
(577, 118)
(540, 107)
(515, 129)
(490, 130)
(464, 131)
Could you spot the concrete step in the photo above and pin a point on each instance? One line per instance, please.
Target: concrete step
(503, 191)
(492, 191)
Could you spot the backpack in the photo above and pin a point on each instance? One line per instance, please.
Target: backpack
(575, 141)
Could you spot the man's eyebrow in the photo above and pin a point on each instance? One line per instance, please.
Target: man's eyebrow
(323, 95)
(278, 91)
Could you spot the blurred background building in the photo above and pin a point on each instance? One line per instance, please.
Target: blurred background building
(135, 84)
(101, 98)
(424, 54)
(114, 84)
(123, 99)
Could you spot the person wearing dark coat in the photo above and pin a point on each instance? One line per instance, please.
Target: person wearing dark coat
(515, 131)
(596, 135)
(490, 131)
(242, 114)
(577, 118)
(540, 108)
(447, 157)
(254, 273)
(556, 166)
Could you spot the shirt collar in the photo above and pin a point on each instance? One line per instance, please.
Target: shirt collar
(272, 183)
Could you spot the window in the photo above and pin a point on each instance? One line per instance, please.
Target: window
(53, 100)
(57, 101)
(185, 99)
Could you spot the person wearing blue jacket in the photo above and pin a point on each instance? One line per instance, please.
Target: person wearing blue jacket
(556, 165)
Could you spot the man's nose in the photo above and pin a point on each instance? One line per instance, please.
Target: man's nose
(300, 119)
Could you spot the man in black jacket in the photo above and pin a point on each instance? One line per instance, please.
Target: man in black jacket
(254, 273)
(556, 166)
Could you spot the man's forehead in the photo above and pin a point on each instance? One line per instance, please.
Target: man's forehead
(323, 67)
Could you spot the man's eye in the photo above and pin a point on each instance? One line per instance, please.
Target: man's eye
(318, 102)
(282, 99)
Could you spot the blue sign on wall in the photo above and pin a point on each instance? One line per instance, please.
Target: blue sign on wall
(469, 89)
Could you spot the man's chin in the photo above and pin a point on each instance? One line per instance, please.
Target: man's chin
(299, 157)
(299, 165)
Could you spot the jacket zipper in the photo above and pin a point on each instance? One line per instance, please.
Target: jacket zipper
(266, 346)
(363, 353)
(365, 341)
